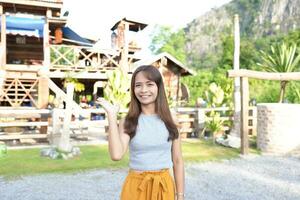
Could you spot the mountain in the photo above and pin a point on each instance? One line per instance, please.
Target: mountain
(258, 18)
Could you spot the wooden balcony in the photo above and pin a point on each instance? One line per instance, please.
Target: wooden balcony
(85, 62)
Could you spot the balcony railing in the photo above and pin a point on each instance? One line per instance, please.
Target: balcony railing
(78, 58)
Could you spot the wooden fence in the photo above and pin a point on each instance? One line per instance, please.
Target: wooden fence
(192, 120)
(18, 123)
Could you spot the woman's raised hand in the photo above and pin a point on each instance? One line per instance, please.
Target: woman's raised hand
(108, 107)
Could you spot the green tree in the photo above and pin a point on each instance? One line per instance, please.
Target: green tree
(166, 40)
(293, 38)
(282, 58)
(197, 84)
(226, 60)
(248, 53)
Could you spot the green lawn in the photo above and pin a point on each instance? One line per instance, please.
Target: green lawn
(29, 161)
(201, 151)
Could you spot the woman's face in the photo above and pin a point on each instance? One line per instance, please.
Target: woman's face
(145, 90)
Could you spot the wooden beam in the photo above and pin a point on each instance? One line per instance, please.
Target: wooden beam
(81, 75)
(47, 4)
(13, 124)
(6, 111)
(73, 41)
(21, 115)
(290, 76)
(22, 136)
(58, 92)
(244, 115)
(21, 75)
(23, 68)
(57, 20)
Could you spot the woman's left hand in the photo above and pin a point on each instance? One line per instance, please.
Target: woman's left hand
(108, 107)
(180, 198)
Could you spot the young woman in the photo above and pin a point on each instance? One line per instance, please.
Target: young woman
(152, 137)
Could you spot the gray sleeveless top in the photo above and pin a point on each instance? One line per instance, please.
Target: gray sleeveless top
(150, 149)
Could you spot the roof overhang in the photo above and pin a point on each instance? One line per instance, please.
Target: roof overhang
(72, 36)
(25, 26)
(133, 25)
(184, 71)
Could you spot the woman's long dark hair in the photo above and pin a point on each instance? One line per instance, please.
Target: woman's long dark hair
(161, 104)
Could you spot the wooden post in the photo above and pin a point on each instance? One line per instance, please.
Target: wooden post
(178, 88)
(56, 113)
(43, 97)
(3, 41)
(43, 73)
(200, 122)
(54, 136)
(43, 87)
(49, 13)
(244, 115)
(2, 81)
(64, 143)
(46, 64)
(254, 121)
(123, 29)
(237, 95)
(43, 91)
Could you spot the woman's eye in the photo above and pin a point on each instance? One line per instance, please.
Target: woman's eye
(137, 85)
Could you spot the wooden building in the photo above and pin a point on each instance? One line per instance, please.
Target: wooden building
(38, 51)
(172, 70)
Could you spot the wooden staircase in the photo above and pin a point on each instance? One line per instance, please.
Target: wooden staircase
(17, 92)
(20, 118)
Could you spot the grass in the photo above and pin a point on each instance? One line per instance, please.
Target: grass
(204, 150)
(29, 161)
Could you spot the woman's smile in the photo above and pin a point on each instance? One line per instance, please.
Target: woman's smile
(145, 90)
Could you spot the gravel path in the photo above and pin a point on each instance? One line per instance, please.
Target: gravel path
(251, 177)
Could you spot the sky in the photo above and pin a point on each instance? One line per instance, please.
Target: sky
(93, 18)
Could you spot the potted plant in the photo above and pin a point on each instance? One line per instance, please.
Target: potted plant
(215, 125)
(214, 97)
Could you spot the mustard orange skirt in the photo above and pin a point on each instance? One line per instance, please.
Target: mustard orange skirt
(148, 185)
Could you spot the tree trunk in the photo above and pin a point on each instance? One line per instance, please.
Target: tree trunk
(282, 90)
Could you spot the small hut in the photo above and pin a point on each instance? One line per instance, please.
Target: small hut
(172, 70)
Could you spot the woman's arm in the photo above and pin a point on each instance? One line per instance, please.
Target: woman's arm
(117, 140)
(178, 168)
